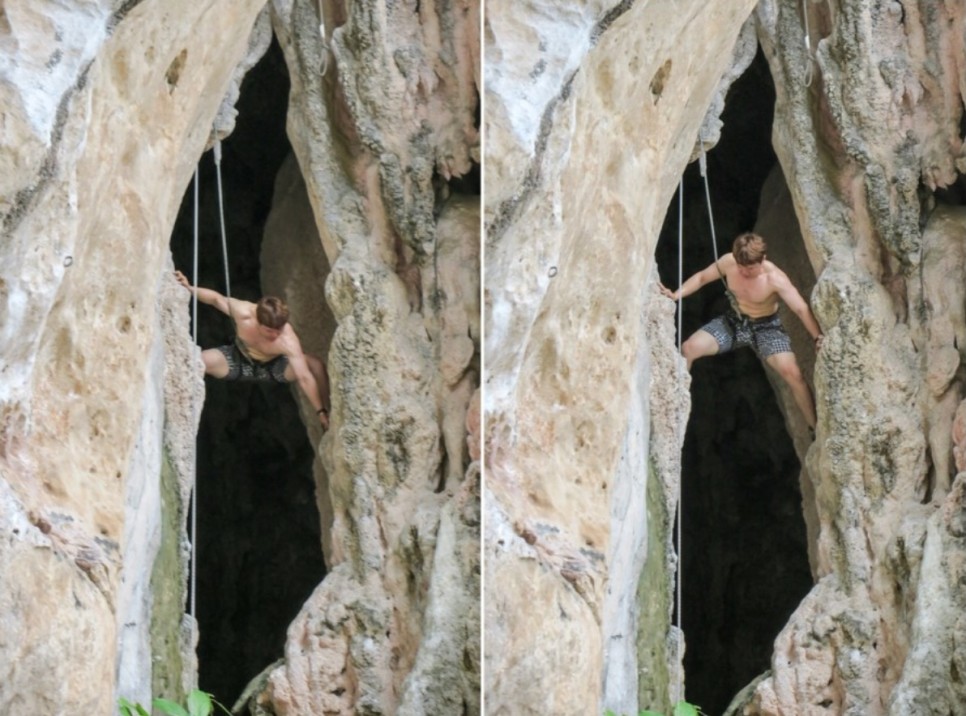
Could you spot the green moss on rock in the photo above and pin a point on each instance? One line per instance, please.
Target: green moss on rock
(168, 580)
(654, 601)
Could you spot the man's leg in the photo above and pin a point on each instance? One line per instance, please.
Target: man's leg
(216, 365)
(700, 344)
(787, 367)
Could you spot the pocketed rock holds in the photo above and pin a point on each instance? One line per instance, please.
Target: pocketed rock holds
(107, 108)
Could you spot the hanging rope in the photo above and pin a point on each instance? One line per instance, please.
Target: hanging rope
(809, 57)
(325, 43)
(221, 219)
(680, 568)
(194, 482)
(192, 597)
(703, 166)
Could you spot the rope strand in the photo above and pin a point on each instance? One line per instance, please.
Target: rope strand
(325, 42)
(679, 601)
(221, 217)
(193, 590)
(194, 481)
(680, 570)
(703, 164)
(809, 57)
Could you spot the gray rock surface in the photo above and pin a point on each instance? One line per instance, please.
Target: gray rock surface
(107, 107)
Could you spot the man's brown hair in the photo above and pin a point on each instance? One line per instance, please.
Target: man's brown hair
(272, 312)
(749, 249)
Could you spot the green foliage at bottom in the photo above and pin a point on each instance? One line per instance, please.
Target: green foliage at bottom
(198, 703)
(681, 708)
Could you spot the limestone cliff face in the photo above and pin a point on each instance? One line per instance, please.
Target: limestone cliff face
(107, 107)
(871, 150)
(592, 112)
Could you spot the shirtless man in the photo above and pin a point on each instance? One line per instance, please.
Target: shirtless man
(756, 285)
(265, 348)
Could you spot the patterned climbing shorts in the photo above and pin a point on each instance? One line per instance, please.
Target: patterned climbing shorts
(243, 369)
(766, 336)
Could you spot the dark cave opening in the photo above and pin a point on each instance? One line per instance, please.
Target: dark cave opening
(745, 562)
(259, 553)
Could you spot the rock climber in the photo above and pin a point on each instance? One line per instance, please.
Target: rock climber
(753, 285)
(266, 348)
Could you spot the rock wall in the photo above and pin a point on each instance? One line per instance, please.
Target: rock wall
(869, 137)
(394, 626)
(871, 150)
(107, 107)
(592, 112)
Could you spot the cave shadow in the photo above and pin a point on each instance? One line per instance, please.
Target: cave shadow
(744, 557)
(259, 551)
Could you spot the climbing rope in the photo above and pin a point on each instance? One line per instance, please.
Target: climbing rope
(325, 43)
(194, 482)
(221, 218)
(679, 696)
(192, 599)
(810, 58)
(679, 620)
(703, 166)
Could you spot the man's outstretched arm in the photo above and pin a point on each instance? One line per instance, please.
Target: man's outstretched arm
(209, 296)
(701, 278)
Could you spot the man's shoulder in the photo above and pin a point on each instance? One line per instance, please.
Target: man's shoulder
(290, 340)
(772, 269)
(242, 308)
(776, 277)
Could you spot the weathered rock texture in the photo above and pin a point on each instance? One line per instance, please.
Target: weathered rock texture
(871, 151)
(592, 112)
(868, 150)
(107, 107)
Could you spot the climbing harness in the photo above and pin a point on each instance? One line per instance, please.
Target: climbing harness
(192, 600)
(325, 43)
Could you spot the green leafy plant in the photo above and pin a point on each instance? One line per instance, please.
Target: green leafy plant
(681, 708)
(198, 703)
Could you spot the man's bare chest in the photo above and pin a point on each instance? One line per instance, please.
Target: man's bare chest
(756, 291)
(256, 345)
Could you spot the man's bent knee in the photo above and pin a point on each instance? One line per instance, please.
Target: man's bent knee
(216, 364)
(786, 366)
(699, 345)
